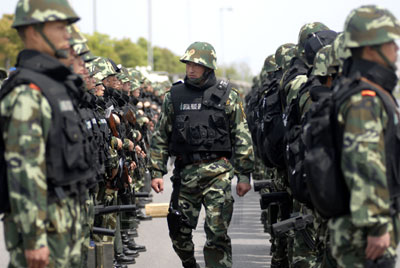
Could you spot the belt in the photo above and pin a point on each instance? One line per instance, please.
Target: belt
(198, 158)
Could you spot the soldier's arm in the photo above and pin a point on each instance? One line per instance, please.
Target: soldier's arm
(160, 139)
(363, 162)
(243, 160)
(293, 87)
(25, 144)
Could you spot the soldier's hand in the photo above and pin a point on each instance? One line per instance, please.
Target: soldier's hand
(376, 246)
(139, 136)
(242, 188)
(133, 165)
(131, 146)
(37, 258)
(157, 184)
(119, 146)
(138, 149)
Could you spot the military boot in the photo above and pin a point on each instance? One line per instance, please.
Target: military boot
(130, 252)
(190, 264)
(131, 244)
(121, 258)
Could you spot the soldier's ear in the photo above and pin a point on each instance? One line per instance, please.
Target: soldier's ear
(31, 37)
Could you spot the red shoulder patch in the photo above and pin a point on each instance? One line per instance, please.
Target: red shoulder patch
(370, 93)
(34, 87)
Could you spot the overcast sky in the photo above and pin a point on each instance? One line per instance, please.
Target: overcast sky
(242, 31)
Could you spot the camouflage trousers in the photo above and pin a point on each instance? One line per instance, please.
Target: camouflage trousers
(208, 185)
(260, 170)
(64, 236)
(87, 225)
(303, 255)
(324, 255)
(111, 221)
(282, 252)
(349, 242)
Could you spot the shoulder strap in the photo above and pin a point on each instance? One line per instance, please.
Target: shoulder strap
(217, 95)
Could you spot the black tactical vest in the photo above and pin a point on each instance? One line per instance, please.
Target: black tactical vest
(200, 123)
(69, 156)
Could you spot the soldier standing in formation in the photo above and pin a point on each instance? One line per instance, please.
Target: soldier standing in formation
(47, 155)
(204, 126)
(359, 64)
(369, 234)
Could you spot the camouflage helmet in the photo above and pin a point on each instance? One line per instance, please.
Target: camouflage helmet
(305, 31)
(30, 12)
(135, 74)
(280, 53)
(135, 84)
(201, 53)
(339, 51)
(288, 56)
(370, 25)
(88, 56)
(76, 35)
(104, 67)
(270, 64)
(77, 40)
(323, 62)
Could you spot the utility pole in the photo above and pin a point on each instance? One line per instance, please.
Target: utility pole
(221, 11)
(189, 16)
(94, 16)
(150, 60)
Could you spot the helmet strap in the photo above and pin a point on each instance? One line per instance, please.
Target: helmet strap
(385, 59)
(59, 53)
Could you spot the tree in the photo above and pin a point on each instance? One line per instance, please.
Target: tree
(131, 54)
(10, 43)
(102, 45)
(165, 60)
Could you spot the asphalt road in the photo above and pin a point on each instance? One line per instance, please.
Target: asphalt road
(250, 243)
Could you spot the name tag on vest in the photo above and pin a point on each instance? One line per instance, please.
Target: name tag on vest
(66, 105)
(190, 106)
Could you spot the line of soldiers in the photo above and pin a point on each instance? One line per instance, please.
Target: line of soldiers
(76, 168)
(294, 82)
(126, 108)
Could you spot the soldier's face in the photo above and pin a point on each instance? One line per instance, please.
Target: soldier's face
(90, 83)
(56, 32)
(110, 81)
(390, 51)
(99, 90)
(194, 71)
(126, 87)
(136, 93)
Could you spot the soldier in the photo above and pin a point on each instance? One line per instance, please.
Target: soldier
(48, 158)
(203, 125)
(368, 235)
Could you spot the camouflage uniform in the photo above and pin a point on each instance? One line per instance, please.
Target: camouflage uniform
(207, 183)
(34, 221)
(303, 255)
(364, 121)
